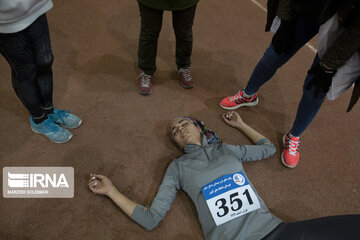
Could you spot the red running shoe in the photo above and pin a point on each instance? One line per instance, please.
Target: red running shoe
(290, 156)
(144, 86)
(185, 78)
(239, 100)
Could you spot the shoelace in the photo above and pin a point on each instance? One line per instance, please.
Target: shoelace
(292, 146)
(50, 126)
(60, 115)
(63, 113)
(236, 97)
(145, 80)
(187, 74)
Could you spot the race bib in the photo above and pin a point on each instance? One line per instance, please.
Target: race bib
(229, 197)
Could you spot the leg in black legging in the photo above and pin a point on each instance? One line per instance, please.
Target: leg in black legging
(39, 38)
(344, 227)
(17, 51)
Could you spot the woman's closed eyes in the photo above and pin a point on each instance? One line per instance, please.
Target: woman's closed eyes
(176, 129)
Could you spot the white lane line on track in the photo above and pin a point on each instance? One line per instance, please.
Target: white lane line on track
(259, 5)
(312, 48)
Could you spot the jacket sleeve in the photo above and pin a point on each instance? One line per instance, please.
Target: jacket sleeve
(264, 148)
(344, 46)
(149, 217)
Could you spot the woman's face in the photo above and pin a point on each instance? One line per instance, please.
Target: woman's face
(185, 132)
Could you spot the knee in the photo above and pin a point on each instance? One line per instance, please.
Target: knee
(44, 61)
(150, 32)
(184, 35)
(310, 95)
(183, 31)
(272, 58)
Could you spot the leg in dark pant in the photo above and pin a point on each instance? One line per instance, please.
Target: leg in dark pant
(271, 61)
(39, 38)
(182, 23)
(327, 228)
(17, 51)
(151, 22)
(308, 106)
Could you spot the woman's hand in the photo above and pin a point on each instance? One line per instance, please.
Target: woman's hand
(100, 184)
(233, 119)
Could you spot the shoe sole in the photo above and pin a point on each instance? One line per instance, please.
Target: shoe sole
(51, 139)
(252, 104)
(282, 158)
(71, 127)
(143, 93)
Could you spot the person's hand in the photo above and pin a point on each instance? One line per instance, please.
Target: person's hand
(321, 79)
(100, 184)
(284, 38)
(233, 119)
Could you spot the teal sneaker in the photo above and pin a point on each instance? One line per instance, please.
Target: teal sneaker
(52, 131)
(65, 118)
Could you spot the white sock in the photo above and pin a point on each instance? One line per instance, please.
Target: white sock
(290, 135)
(248, 96)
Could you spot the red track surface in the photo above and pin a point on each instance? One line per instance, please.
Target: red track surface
(124, 134)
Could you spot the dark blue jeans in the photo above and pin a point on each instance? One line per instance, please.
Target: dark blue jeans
(30, 57)
(271, 62)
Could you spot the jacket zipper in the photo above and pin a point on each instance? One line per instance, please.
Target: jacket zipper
(206, 153)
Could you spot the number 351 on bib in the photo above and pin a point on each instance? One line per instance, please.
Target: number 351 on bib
(229, 197)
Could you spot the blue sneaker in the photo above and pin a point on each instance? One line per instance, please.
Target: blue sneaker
(65, 118)
(52, 131)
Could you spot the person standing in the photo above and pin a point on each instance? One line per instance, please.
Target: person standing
(25, 44)
(300, 21)
(151, 12)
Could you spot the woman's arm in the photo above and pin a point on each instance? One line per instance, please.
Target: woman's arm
(263, 148)
(147, 217)
(233, 119)
(100, 184)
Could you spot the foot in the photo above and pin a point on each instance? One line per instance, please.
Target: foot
(185, 78)
(290, 156)
(239, 100)
(65, 118)
(51, 130)
(144, 86)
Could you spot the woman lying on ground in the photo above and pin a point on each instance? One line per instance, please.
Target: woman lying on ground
(212, 175)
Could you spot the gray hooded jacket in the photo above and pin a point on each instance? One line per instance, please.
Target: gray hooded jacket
(199, 166)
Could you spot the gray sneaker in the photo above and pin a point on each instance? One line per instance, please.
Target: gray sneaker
(185, 78)
(144, 85)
